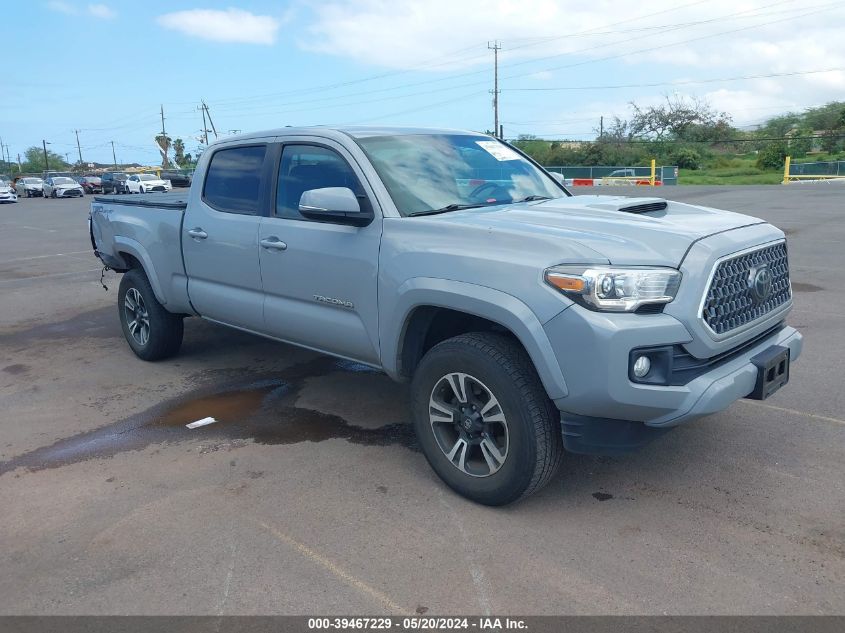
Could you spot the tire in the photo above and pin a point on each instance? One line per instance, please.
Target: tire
(520, 421)
(163, 329)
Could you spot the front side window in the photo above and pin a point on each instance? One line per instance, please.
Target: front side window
(306, 167)
(233, 179)
(425, 172)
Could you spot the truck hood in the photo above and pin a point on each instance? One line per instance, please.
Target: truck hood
(600, 223)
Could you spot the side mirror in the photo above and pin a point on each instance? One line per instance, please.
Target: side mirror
(338, 205)
(559, 177)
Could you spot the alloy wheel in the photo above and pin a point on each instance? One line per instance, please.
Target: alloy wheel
(468, 424)
(137, 317)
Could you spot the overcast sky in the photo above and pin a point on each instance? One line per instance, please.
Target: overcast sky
(105, 68)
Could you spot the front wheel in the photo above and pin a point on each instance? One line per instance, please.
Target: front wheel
(152, 332)
(484, 420)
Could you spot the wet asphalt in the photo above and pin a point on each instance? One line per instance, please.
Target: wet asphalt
(309, 496)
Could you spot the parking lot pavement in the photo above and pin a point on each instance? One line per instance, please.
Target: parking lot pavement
(309, 496)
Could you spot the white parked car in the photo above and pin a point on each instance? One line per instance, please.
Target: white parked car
(143, 183)
(29, 187)
(62, 187)
(7, 192)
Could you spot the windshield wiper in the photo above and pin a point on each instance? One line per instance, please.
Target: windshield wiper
(446, 209)
(533, 198)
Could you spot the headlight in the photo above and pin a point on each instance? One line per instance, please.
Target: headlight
(611, 289)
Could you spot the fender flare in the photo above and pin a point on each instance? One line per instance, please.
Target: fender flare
(132, 247)
(481, 301)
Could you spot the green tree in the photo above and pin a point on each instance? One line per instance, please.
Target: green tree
(179, 151)
(164, 142)
(34, 162)
(801, 144)
(772, 156)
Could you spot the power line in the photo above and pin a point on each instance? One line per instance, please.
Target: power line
(695, 39)
(233, 103)
(677, 82)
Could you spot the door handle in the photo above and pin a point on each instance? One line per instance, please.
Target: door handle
(197, 233)
(273, 243)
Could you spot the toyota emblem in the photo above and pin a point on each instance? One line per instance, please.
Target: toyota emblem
(760, 283)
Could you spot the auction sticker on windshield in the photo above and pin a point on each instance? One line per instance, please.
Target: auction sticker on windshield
(498, 151)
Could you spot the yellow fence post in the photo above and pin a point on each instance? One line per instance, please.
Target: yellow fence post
(786, 164)
(653, 172)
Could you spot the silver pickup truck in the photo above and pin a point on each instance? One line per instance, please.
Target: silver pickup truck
(528, 320)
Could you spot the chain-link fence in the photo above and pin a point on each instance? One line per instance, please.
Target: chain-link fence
(803, 172)
(667, 174)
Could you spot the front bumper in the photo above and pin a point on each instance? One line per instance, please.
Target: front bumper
(69, 193)
(593, 350)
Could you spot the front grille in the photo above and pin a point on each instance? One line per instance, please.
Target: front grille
(730, 302)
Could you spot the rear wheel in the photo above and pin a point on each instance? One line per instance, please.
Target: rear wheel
(484, 420)
(152, 332)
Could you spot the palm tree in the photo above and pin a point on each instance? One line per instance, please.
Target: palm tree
(164, 143)
(179, 152)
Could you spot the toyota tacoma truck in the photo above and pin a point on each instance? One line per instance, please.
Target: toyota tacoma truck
(527, 320)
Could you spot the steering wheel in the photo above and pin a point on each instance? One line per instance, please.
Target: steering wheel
(492, 186)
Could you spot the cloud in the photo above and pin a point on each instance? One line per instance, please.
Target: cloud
(61, 7)
(573, 39)
(101, 11)
(230, 25)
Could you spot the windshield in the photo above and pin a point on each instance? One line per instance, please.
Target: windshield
(425, 172)
(33, 181)
(64, 181)
(146, 177)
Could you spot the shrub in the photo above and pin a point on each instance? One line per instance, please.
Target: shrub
(772, 156)
(686, 158)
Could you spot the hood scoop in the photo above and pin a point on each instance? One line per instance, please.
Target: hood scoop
(631, 205)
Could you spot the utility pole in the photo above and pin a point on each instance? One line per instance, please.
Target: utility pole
(495, 47)
(113, 157)
(78, 148)
(46, 162)
(208, 112)
(204, 124)
(601, 126)
(164, 137)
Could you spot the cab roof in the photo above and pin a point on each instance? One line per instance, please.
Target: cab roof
(353, 131)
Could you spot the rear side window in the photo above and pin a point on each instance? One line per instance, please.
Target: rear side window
(233, 179)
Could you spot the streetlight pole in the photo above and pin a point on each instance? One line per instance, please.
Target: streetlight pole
(44, 144)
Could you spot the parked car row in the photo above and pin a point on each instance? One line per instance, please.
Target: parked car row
(56, 184)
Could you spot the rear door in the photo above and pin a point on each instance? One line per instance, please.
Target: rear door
(320, 279)
(220, 236)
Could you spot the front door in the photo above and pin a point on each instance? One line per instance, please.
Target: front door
(320, 279)
(220, 237)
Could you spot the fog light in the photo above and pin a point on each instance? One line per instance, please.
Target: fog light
(642, 366)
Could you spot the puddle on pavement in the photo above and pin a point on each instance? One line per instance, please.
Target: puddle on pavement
(260, 410)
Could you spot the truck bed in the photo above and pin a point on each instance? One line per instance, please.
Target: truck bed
(172, 200)
(144, 230)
